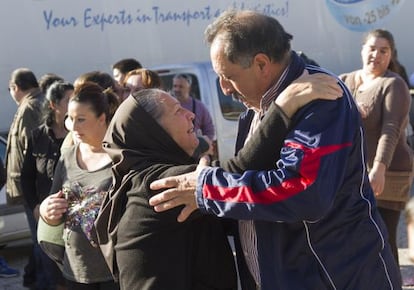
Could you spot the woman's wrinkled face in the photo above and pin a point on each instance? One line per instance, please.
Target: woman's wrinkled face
(84, 123)
(178, 123)
(376, 55)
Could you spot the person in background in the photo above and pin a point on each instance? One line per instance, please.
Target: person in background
(42, 154)
(120, 69)
(5, 270)
(25, 91)
(203, 124)
(81, 180)
(32, 268)
(384, 100)
(106, 82)
(306, 211)
(47, 80)
(139, 79)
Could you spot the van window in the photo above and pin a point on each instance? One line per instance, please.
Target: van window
(230, 108)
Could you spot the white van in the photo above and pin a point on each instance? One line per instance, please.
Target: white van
(71, 37)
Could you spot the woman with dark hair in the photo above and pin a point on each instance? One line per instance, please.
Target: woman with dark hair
(42, 154)
(384, 101)
(82, 178)
(47, 80)
(44, 146)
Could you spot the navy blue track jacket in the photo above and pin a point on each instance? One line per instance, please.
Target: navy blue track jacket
(314, 213)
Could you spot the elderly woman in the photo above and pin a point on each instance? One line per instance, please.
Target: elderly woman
(150, 136)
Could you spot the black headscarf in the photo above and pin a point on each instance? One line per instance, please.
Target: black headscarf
(134, 140)
(142, 152)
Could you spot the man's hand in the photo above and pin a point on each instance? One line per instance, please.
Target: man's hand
(181, 191)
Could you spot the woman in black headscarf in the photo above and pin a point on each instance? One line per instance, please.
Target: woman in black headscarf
(152, 136)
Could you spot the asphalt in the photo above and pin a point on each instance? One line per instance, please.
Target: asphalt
(406, 266)
(16, 254)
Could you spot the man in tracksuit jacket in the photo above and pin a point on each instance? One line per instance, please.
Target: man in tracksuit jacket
(309, 219)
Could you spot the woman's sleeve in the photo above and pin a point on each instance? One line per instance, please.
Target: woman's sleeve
(395, 109)
(274, 124)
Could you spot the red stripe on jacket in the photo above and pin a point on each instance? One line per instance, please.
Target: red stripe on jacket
(308, 173)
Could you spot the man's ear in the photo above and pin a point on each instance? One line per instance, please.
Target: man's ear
(262, 61)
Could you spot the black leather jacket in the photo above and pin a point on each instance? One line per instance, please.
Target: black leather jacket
(43, 152)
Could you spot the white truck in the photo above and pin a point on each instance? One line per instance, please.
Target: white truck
(70, 37)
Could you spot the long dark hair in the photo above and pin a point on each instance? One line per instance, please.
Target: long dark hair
(55, 93)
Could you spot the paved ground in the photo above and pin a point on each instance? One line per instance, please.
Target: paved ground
(406, 266)
(16, 255)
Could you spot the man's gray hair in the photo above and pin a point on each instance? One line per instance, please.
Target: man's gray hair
(246, 33)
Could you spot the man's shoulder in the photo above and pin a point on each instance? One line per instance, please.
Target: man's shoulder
(31, 116)
(35, 103)
(339, 115)
(32, 104)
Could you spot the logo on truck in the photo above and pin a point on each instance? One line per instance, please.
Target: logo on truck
(363, 15)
